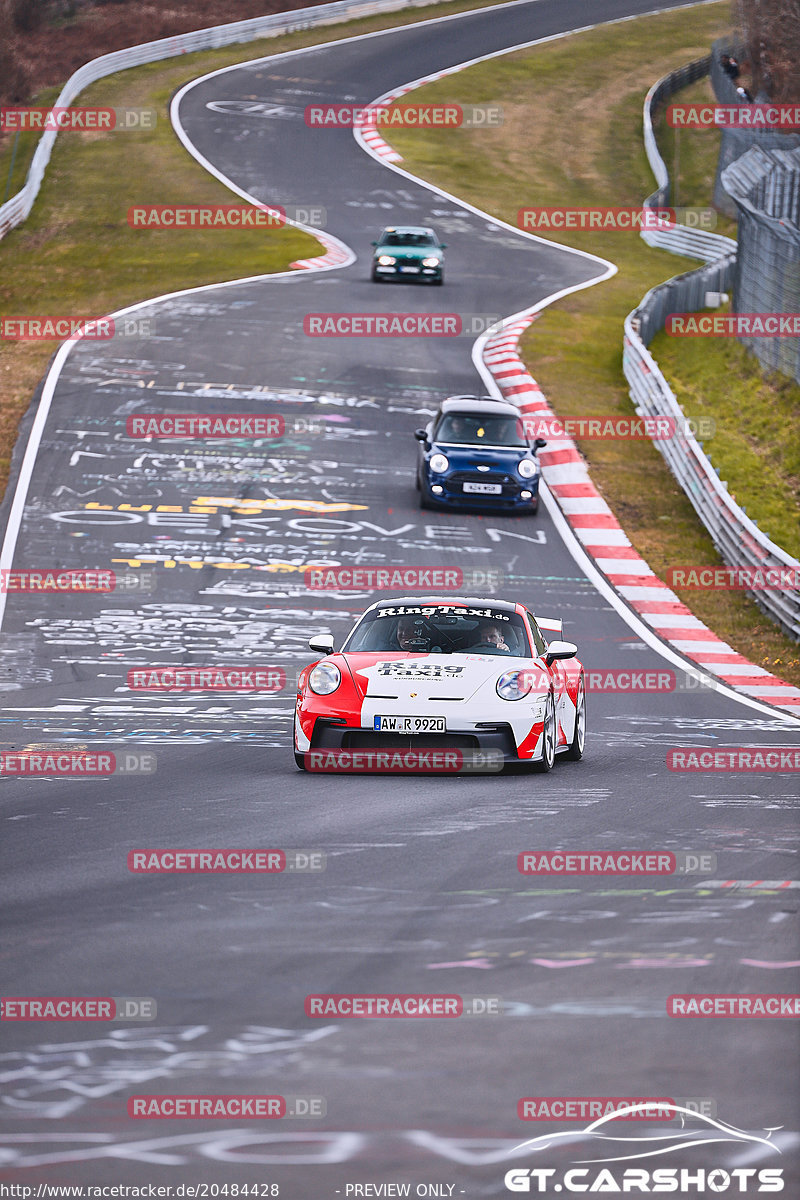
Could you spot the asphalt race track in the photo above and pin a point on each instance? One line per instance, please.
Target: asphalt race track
(421, 891)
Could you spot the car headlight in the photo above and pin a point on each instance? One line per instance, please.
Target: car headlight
(513, 685)
(430, 262)
(386, 260)
(438, 463)
(527, 468)
(324, 679)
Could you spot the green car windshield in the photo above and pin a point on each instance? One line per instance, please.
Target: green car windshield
(408, 239)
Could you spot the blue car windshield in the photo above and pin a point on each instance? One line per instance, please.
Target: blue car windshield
(439, 629)
(473, 430)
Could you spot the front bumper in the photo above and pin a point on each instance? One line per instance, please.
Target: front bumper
(330, 734)
(453, 495)
(403, 272)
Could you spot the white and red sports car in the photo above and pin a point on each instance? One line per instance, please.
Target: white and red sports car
(465, 674)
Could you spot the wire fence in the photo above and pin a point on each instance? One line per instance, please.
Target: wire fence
(736, 537)
(765, 185)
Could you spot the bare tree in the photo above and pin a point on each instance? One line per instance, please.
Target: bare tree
(771, 32)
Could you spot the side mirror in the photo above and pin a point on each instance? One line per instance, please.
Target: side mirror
(373, 243)
(421, 435)
(538, 443)
(557, 650)
(322, 643)
(442, 245)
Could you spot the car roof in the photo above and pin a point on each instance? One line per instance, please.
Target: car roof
(471, 601)
(407, 229)
(476, 404)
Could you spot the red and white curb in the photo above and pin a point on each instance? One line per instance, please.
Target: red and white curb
(336, 255)
(603, 538)
(368, 132)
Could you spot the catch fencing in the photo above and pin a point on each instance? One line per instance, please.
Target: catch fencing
(737, 538)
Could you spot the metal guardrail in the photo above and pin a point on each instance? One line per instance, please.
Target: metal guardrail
(737, 538)
(17, 209)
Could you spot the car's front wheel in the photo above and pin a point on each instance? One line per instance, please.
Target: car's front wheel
(578, 742)
(545, 763)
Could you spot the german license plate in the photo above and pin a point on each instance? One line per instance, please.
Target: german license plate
(486, 489)
(409, 725)
(410, 270)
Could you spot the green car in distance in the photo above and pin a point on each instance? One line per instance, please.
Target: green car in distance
(409, 252)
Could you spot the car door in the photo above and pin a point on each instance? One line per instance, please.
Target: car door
(565, 711)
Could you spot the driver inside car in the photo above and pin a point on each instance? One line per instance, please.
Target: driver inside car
(492, 638)
(413, 636)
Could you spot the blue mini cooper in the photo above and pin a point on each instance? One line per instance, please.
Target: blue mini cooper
(475, 454)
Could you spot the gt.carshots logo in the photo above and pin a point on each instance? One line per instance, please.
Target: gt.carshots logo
(607, 1154)
(677, 1180)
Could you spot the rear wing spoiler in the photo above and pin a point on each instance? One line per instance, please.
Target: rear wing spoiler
(551, 627)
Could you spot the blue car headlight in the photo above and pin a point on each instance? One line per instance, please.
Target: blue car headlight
(527, 468)
(438, 463)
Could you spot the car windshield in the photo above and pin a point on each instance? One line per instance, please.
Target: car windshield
(439, 629)
(408, 239)
(471, 429)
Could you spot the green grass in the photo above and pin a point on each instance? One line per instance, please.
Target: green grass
(76, 254)
(572, 136)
